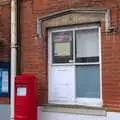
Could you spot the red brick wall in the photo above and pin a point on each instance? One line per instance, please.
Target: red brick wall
(4, 31)
(34, 55)
(4, 37)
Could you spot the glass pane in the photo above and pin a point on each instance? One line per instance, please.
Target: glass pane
(88, 81)
(62, 46)
(4, 76)
(87, 45)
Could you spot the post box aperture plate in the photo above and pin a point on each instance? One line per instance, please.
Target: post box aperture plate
(21, 91)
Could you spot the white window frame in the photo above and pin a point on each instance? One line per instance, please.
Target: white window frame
(78, 101)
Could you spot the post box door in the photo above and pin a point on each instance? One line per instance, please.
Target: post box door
(21, 102)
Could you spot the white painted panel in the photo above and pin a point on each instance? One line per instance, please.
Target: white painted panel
(113, 116)
(71, 116)
(62, 88)
(68, 116)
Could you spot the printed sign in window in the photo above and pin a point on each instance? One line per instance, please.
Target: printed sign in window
(62, 46)
(62, 49)
(62, 43)
(21, 91)
(4, 81)
(4, 76)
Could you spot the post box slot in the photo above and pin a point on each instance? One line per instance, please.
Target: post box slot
(21, 84)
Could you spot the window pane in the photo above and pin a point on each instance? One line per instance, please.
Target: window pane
(87, 81)
(62, 46)
(4, 79)
(87, 45)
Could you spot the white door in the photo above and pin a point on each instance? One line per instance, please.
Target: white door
(61, 72)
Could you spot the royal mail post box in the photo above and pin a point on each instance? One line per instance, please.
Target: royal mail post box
(25, 98)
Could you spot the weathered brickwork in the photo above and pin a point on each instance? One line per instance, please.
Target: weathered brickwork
(34, 51)
(4, 32)
(4, 36)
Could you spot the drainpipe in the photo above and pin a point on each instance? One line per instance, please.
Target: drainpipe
(13, 53)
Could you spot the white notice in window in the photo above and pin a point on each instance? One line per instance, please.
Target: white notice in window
(4, 81)
(62, 49)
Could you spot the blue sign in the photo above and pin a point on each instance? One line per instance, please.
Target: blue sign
(4, 80)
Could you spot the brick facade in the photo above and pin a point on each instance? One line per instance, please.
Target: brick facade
(4, 31)
(34, 51)
(4, 36)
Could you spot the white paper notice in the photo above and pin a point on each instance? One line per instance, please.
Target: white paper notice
(4, 81)
(62, 49)
(21, 91)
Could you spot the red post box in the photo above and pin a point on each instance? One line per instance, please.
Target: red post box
(25, 98)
